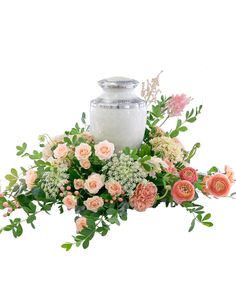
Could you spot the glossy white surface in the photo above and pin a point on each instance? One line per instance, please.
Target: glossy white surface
(123, 127)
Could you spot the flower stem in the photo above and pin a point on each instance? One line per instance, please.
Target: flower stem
(164, 121)
(163, 196)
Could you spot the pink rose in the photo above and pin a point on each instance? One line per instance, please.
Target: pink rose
(85, 163)
(61, 151)
(144, 196)
(177, 103)
(104, 150)
(94, 203)
(83, 151)
(69, 201)
(30, 178)
(78, 184)
(114, 188)
(94, 183)
(81, 223)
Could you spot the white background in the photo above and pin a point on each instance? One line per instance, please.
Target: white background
(51, 55)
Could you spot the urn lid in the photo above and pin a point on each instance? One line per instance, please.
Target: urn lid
(118, 82)
(118, 93)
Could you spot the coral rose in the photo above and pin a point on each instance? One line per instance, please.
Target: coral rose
(229, 173)
(78, 184)
(30, 178)
(218, 185)
(144, 196)
(94, 183)
(83, 151)
(81, 223)
(183, 191)
(61, 151)
(85, 163)
(94, 203)
(104, 150)
(189, 174)
(69, 201)
(114, 188)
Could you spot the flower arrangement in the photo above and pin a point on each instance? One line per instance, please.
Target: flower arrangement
(72, 171)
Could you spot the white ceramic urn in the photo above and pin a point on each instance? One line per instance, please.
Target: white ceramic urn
(118, 115)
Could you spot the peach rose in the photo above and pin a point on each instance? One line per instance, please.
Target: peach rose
(81, 223)
(189, 174)
(30, 178)
(218, 185)
(83, 151)
(61, 151)
(78, 184)
(114, 188)
(229, 173)
(94, 203)
(183, 191)
(94, 183)
(85, 163)
(69, 201)
(144, 196)
(104, 150)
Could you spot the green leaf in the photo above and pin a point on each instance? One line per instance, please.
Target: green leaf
(14, 172)
(147, 167)
(126, 150)
(174, 133)
(213, 169)
(83, 118)
(183, 129)
(23, 200)
(67, 141)
(144, 150)
(86, 244)
(208, 224)
(75, 140)
(38, 194)
(33, 207)
(21, 149)
(67, 246)
(36, 155)
(19, 230)
(179, 123)
(145, 158)
(77, 127)
(10, 178)
(192, 225)
(192, 120)
(86, 232)
(111, 211)
(199, 217)
(31, 218)
(206, 217)
(8, 228)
